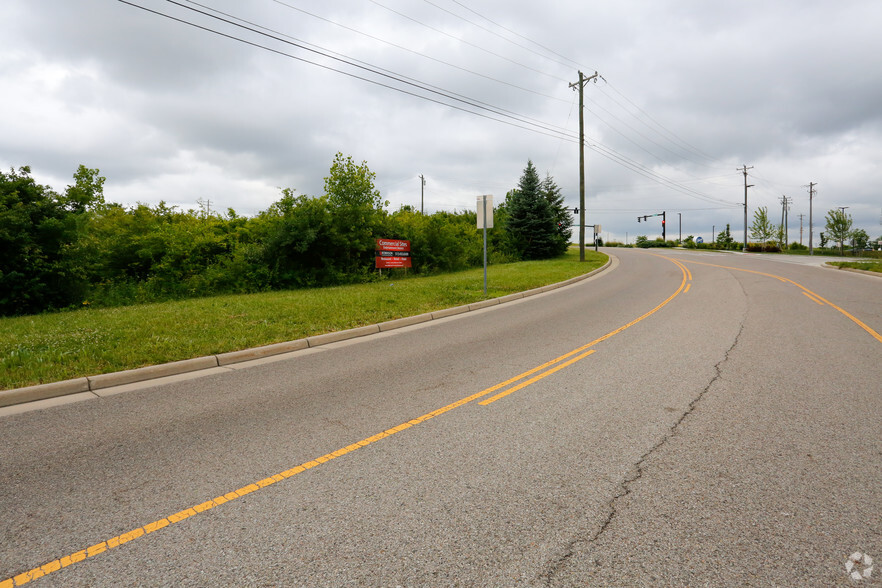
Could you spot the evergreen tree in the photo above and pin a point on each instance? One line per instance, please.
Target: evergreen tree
(725, 239)
(532, 223)
(562, 215)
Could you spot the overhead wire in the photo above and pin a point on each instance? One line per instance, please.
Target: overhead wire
(479, 48)
(492, 32)
(573, 63)
(513, 119)
(541, 128)
(409, 50)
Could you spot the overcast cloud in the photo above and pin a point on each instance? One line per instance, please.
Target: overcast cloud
(690, 92)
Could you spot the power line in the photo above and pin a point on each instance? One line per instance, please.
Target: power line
(478, 47)
(506, 39)
(663, 130)
(572, 63)
(513, 119)
(409, 50)
(537, 127)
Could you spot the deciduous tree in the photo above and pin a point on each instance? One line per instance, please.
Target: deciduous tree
(762, 228)
(838, 227)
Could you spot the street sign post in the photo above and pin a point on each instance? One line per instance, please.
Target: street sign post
(485, 221)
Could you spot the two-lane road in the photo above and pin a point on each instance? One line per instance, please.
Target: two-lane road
(679, 419)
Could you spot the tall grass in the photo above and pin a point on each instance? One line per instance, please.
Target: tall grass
(58, 346)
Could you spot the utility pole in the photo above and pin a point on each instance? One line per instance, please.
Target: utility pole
(801, 216)
(680, 218)
(785, 208)
(811, 188)
(422, 192)
(746, 186)
(581, 87)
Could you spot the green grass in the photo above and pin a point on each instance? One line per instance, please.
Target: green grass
(58, 346)
(870, 266)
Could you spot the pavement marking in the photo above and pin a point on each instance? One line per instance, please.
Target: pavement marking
(535, 379)
(114, 542)
(684, 286)
(810, 297)
(805, 291)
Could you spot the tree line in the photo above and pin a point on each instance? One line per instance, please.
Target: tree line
(70, 249)
(770, 237)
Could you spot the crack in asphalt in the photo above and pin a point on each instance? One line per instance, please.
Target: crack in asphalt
(547, 577)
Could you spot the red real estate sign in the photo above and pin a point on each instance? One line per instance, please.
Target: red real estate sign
(392, 253)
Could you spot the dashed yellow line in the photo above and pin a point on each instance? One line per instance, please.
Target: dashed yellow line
(556, 365)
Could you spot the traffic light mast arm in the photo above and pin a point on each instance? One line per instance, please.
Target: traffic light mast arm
(648, 216)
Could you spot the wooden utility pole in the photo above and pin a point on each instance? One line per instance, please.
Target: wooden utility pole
(811, 187)
(801, 216)
(746, 186)
(785, 209)
(580, 85)
(422, 192)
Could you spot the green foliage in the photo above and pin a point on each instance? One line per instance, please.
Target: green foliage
(37, 230)
(532, 220)
(724, 239)
(63, 345)
(562, 216)
(762, 228)
(75, 250)
(444, 241)
(860, 238)
(838, 227)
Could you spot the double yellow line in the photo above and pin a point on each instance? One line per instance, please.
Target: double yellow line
(550, 367)
(814, 296)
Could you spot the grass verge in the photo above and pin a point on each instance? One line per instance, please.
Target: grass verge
(58, 346)
(869, 266)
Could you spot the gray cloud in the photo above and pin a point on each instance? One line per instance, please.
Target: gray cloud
(169, 112)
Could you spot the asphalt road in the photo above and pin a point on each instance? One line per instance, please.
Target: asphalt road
(680, 419)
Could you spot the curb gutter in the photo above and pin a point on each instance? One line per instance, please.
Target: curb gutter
(93, 383)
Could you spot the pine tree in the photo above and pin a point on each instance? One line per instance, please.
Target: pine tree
(562, 216)
(532, 223)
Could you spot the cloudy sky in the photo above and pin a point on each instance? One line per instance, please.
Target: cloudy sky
(260, 95)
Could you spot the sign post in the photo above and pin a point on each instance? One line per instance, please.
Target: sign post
(485, 222)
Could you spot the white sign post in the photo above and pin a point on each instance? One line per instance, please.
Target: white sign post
(485, 221)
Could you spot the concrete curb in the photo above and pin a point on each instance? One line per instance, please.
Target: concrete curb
(151, 372)
(103, 381)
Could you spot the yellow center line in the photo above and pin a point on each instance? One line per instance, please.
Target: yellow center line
(810, 297)
(114, 542)
(805, 290)
(535, 379)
